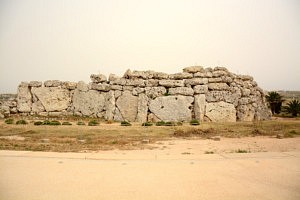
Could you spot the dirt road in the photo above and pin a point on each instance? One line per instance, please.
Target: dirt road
(175, 170)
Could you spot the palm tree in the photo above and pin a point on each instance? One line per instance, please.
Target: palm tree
(293, 107)
(275, 101)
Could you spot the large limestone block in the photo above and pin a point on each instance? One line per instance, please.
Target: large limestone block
(82, 86)
(52, 83)
(110, 105)
(52, 98)
(201, 89)
(88, 103)
(153, 92)
(98, 78)
(245, 113)
(196, 81)
(35, 83)
(172, 108)
(142, 108)
(199, 106)
(181, 91)
(220, 112)
(194, 69)
(171, 83)
(24, 99)
(218, 86)
(100, 86)
(128, 106)
(38, 107)
(179, 76)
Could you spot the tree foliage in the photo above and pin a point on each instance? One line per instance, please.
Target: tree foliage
(275, 102)
(293, 107)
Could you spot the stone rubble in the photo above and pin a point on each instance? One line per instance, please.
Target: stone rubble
(211, 94)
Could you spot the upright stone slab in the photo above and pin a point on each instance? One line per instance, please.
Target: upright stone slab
(110, 105)
(52, 98)
(172, 108)
(89, 103)
(24, 99)
(128, 106)
(199, 106)
(142, 108)
(220, 112)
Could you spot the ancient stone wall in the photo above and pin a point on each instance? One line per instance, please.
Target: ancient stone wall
(196, 93)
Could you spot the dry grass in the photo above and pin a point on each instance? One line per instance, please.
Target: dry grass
(111, 135)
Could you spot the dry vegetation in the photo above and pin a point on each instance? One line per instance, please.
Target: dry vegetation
(107, 136)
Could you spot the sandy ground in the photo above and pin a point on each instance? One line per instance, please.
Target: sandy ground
(176, 169)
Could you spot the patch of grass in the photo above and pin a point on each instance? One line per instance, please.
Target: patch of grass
(194, 122)
(160, 123)
(66, 123)
(22, 121)
(209, 152)
(242, 151)
(110, 121)
(125, 123)
(170, 124)
(9, 121)
(46, 122)
(185, 153)
(54, 123)
(147, 124)
(93, 123)
(38, 123)
(80, 123)
(204, 133)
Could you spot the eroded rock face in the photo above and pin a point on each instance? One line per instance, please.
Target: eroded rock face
(90, 103)
(52, 98)
(172, 108)
(220, 112)
(199, 107)
(142, 108)
(24, 99)
(128, 106)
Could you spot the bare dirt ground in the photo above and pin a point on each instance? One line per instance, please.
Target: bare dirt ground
(176, 169)
(212, 161)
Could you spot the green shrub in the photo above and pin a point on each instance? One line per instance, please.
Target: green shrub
(66, 123)
(46, 122)
(160, 123)
(170, 124)
(55, 123)
(179, 123)
(125, 123)
(194, 122)
(147, 124)
(80, 123)
(9, 121)
(22, 121)
(38, 123)
(93, 123)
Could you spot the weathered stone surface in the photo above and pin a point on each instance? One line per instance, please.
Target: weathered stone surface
(201, 89)
(100, 87)
(116, 87)
(172, 108)
(127, 87)
(199, 106)
(245, 113)
(128, 106)
(35, 84)
(52, 98)
(121, 81)
(152, 118)
(137, 91)
(82, 86)
(110, 105)
(219, 73)
(117, 94)
(196, 81)
(69, 85)
(38, 107)
(181, 91)
(24, 84)
(171, 83)
(52, 83)
(227, 96)
(160, 75)
(179, 76)
(215, 80)
(88, 103)
(24, 99)
(113, 77)
(220, 112)
(218, 86)
(135, 82)
(118, 116)
(151, 83)
(205, 74)
(194, 69)
(142, 108)
(153, 92)
(98, 78)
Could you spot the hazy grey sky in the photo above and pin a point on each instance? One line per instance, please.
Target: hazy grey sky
(69, 40)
